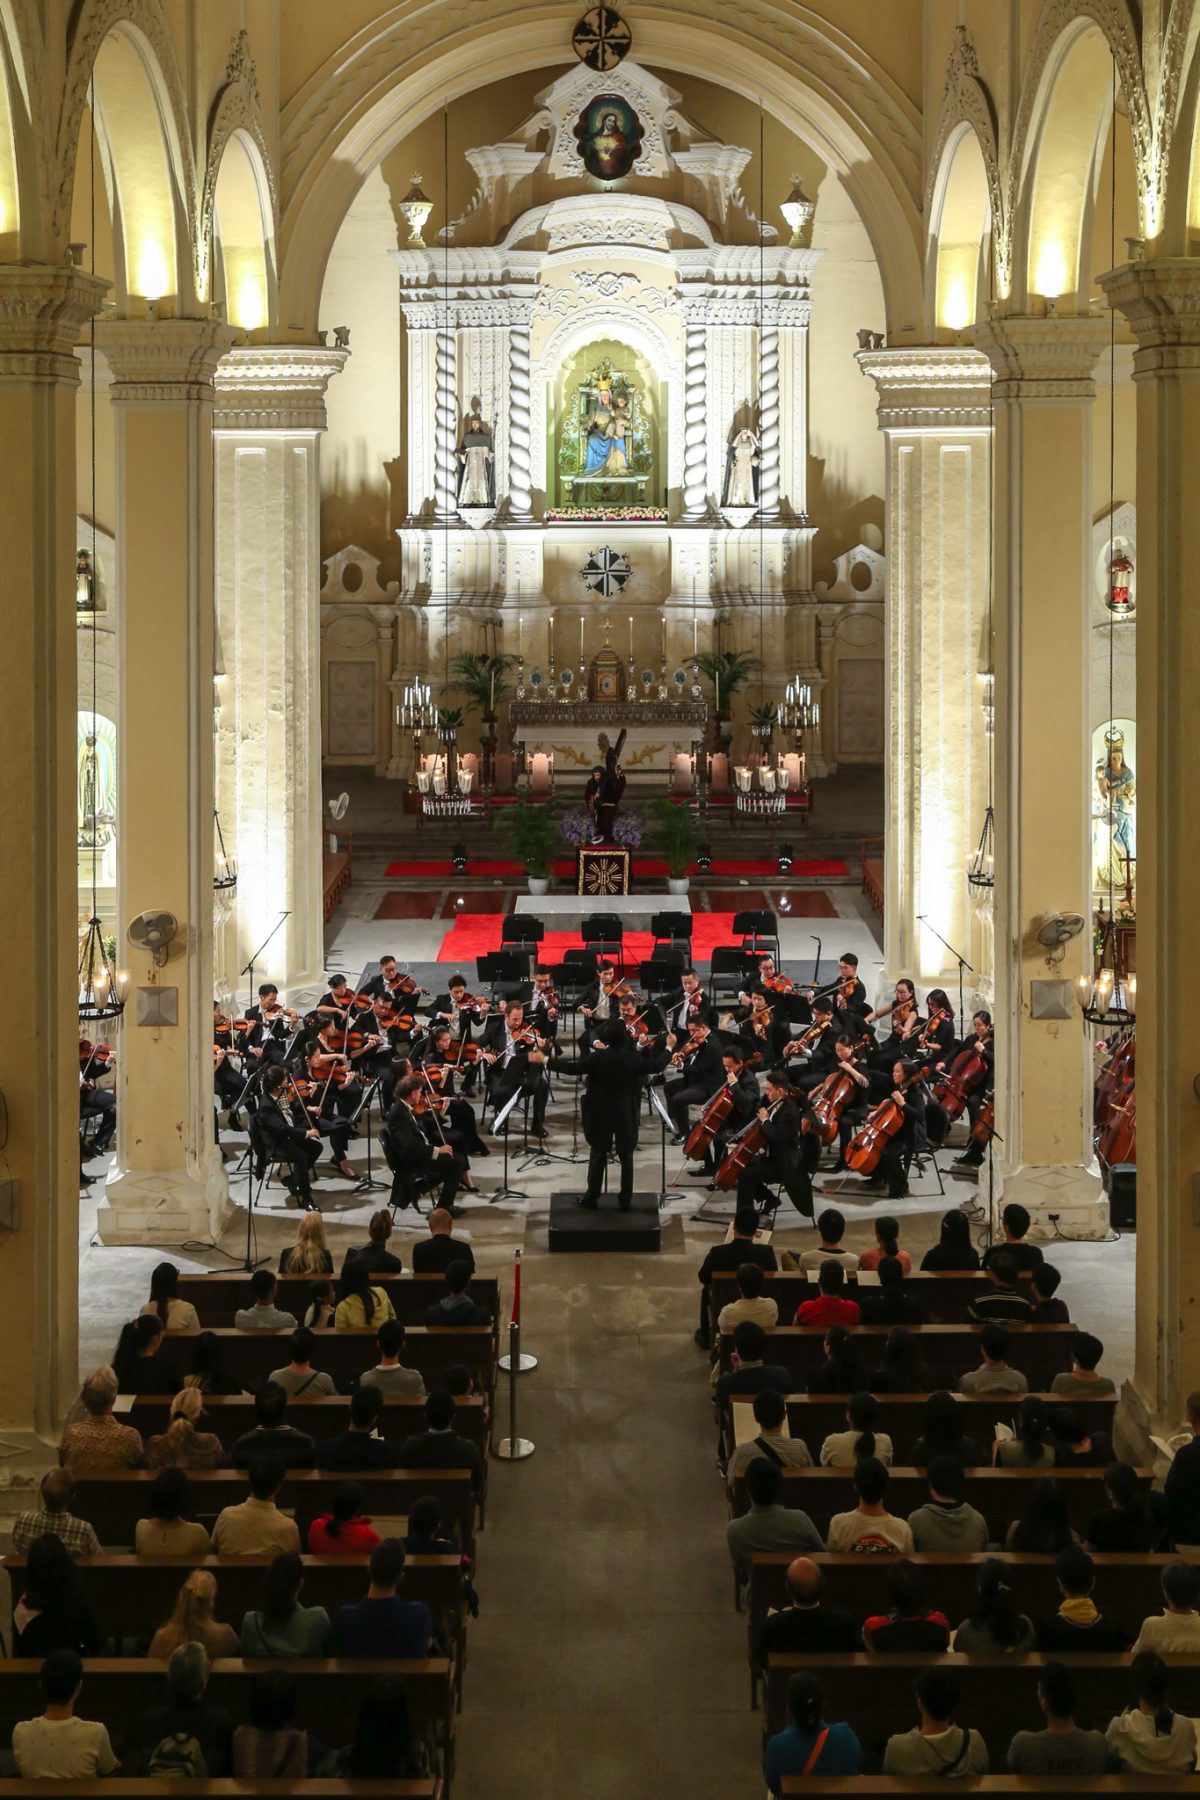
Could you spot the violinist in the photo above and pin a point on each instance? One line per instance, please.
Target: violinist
(515, 1059)
(318, 1101)
(387, 983)
(341, 1000)
(542, 1005)
(779, 1118)
(902, 1006)
(644, 1029)
(599, 1003)
(935, 1041)
(462, 1012)
(698, 1056)
(229, 1083)
(781, 991)
(374, 1041)
(461, 1125)
(688, 1004)
(815, 1048)
(904, 1026)
(850, 996)
(414, 1155)
(328, 1057)
(759, 1030)
(96, 1102)
(742, 1085)
(286, 1139)
(270, 1026)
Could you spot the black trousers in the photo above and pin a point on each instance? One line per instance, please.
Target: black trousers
(759, 1177)
(603, 1136)
(504, 1085)
(679, 1096)
(100, 1104)
(451, 1168)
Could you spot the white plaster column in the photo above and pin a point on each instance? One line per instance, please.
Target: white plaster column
(270, 415)
(520, 414)
(1161, 301)
(1043, 391)
(695, 413)
(42, 314)
(933, 412)
(768, 418)
(445, 415)
(168, 1184)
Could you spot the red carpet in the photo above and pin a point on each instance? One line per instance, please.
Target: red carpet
(760, 868)
(478, 934)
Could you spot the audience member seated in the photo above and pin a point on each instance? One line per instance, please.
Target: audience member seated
(1127, 1524)
(839, 1370)
(946, 1521)
(57, 1746)
(439, 1446)
(769, 1525)
(319, 1304)
(456, 1306)
(389, 1374)
(208, 1373)
(750, 1372)
(893, 1303)
(809, 1746)
(886, 1246)
(359, 1303)
(98, 1441)
(806, 1626)
(1030, 1448)
(298, 1376)
(1061, 1748)
(263, 1314)
(954, 1253)
(139, 1361)
(424, 1536)
(1076, 1445)
(385, 1747)
(937, 1746)
(1182, 1487)
(869, 1527)
(54, 1515)
(727, 1259)
(831, 1307)
(193, 1621)
(1002, 1299)
(1045, 1528)
(1048, 1309)
(751, 1303)
(1081, 1378)
(908, 1623)
(279, 1625)
(345, 1530)
(434, 1254)
(374, 1254)
(772, 1440)
(357, 1447)
(1016, 1223)
(166, 1530)
(271, 1747)
(255, 1526)
(1079, 1627)
(53, 1611)
(901, 1371)
(994, 1375)
(186, 1736)
(295, 1449)
(943, 1433)
(1175, 1631)
(831, 1225)
(310, 1254)
(994, 1626)
(1148, 1738)
(172, 1313)
(181, 1446)
(382, 1624)
(842, 1449)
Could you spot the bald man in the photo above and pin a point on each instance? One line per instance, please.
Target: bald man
(806, 1626)
(434, 1254)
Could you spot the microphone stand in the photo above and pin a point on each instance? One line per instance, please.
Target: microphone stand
(962, 964)
(249, 968)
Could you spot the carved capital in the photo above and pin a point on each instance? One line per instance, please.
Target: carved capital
(929, 389)
(163, 362)
(275, 387)
(1043, 359)
(1161, 301)
(42, 315)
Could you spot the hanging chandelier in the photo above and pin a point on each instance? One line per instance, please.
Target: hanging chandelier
(981, 869)
(415, 710)
(101, 986)
(1108, 998)
(224, 869)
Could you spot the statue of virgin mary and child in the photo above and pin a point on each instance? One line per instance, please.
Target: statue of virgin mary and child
(606, 435)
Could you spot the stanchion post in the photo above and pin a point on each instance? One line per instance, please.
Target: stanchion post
(513, 1448)
(525, 1362)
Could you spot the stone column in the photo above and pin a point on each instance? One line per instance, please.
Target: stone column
(768, 419)
(42, 315)
(933, 411)
(1043, 391)
(445, 417)
(695, 415)
(168, 1184)
(520, 415)
(270, 414)
(1161, 301)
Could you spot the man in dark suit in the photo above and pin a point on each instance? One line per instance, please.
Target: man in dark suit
(728, 1258)
(415, 1156)
(283, 1141)
(439, 1446)
(514, 1061)
(779, 1118)
(702, 1073)
(805, 1627)
(742, 1084)
(357, 1448)
(434, 1254)
(688, 1004)
(613, 1074)
(599, 1002)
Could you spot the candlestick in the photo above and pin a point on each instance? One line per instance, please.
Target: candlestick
(492, 696)
(550, 628)
(631, 637)
(663, 618)
(581, 640)
(519, 623)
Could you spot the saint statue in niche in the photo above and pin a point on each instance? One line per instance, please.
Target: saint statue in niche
(609, 135)
(741, 469)
(606, 434)
(96, 787)
(476, 461)
(1114, 814)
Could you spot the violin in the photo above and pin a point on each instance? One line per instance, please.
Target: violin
(866, 1148)
(829, 1101)
(423, 1101)
(780, 984)
(939, 1012)
(410, 989)
(679, 1057)
(460, 1050)
(96, 1059)
(743, 1150)
(328, 1066)
(806, 1043)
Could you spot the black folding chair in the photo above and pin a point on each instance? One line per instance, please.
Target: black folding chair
(759, 930)
(407, 1184)
(729, 971)
(506, 971)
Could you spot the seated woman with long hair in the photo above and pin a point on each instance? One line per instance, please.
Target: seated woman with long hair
(309, 1255)
(53, 1612)
(193, 1621)
(360, 1304)
(181, 1445)
(173, 1313)
(279, 1625)
(141, 1365)
(954, 1252)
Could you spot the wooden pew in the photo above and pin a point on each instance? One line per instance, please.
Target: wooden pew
(218, 1296)
(945, 1298)
(1040, 1351)
(115, 1500)
(999, 1694)
(1001, 1495)
(229, 1415)
(251, 1355)
(813, 1418)
(314, 1787)
(120, 1689)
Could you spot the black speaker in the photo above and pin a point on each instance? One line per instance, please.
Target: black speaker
(1122, 1196)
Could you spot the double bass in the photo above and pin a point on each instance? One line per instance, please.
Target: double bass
(1118, 1140)
(884, 1122)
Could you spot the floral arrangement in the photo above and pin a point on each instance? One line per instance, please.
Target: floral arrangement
(585, 515)
(579, 828)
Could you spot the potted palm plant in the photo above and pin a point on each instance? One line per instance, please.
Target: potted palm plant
(484, 681)
(728, 670)
(675, 833)
(535, 839)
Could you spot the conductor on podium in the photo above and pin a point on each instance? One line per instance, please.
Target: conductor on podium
(613, 1074)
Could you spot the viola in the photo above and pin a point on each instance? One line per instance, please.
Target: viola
(327, 1068)
(461, 1050)
(96, 1059)
(332, 1040)
(410, 989)
(829, 1101)
(425, 1102)
(884, 1122)
(966, 1072)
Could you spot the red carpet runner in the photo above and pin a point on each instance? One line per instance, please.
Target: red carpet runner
(478, 934)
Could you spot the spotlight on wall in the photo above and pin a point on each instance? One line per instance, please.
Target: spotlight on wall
(786, 854)
(703, 859)
(458, 856)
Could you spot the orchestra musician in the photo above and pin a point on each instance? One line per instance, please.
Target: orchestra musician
(612, 1073)
(906, 1026)
(644, 1029)
(387, 982)
(414, 1154)
(462, 1012)
(759, 1029)
(541, 1008)
(699, 1057)
(935, 1042)
(328, 1053)
(853, 1116)
(981, 1091)
(229, 1082)
(340, 1000)
(599, 1003)
(688, 1004)
(850, 995)
(814, 1048)
(321, 1104)
(779, 1117)
(786, 999)
(743, 1089)
(894, 1165)
(96, 1102)
(515, 1059)
(271, 1024)
(286, 1141)
(459, 1120)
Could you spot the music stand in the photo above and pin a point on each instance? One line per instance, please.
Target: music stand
(666, 1129)
(366, 1183)
(504, 1192)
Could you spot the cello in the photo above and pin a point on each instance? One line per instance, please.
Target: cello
(743, 1150)
(964, 1075)
(1118, 1140)
(828, 1102)
(865, 1150)
(716, 1112)
(1113, 1078)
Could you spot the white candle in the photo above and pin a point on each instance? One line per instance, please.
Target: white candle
(664, 636)
(631, 637)
(550, 628)
(581, 640)
(519, 623)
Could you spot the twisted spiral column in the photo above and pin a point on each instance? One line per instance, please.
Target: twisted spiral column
(445, 413)
(520, 423)
(768, 422)
(695, 423)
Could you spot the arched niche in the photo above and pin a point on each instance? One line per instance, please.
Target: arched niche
(611, 331)
(243, 237)
(960, 234)
(630, 369)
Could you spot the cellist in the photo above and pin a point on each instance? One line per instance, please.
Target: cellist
(978, 1095)
(779, 1119)
(894, 1163)
(742, 1086)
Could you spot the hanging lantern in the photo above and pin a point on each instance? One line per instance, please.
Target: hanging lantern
(1108, 998)
(224, 869)
(981, 870)
(1119, 599)
(101, 987)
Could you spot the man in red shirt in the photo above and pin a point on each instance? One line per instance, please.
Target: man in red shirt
(831, 1306)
